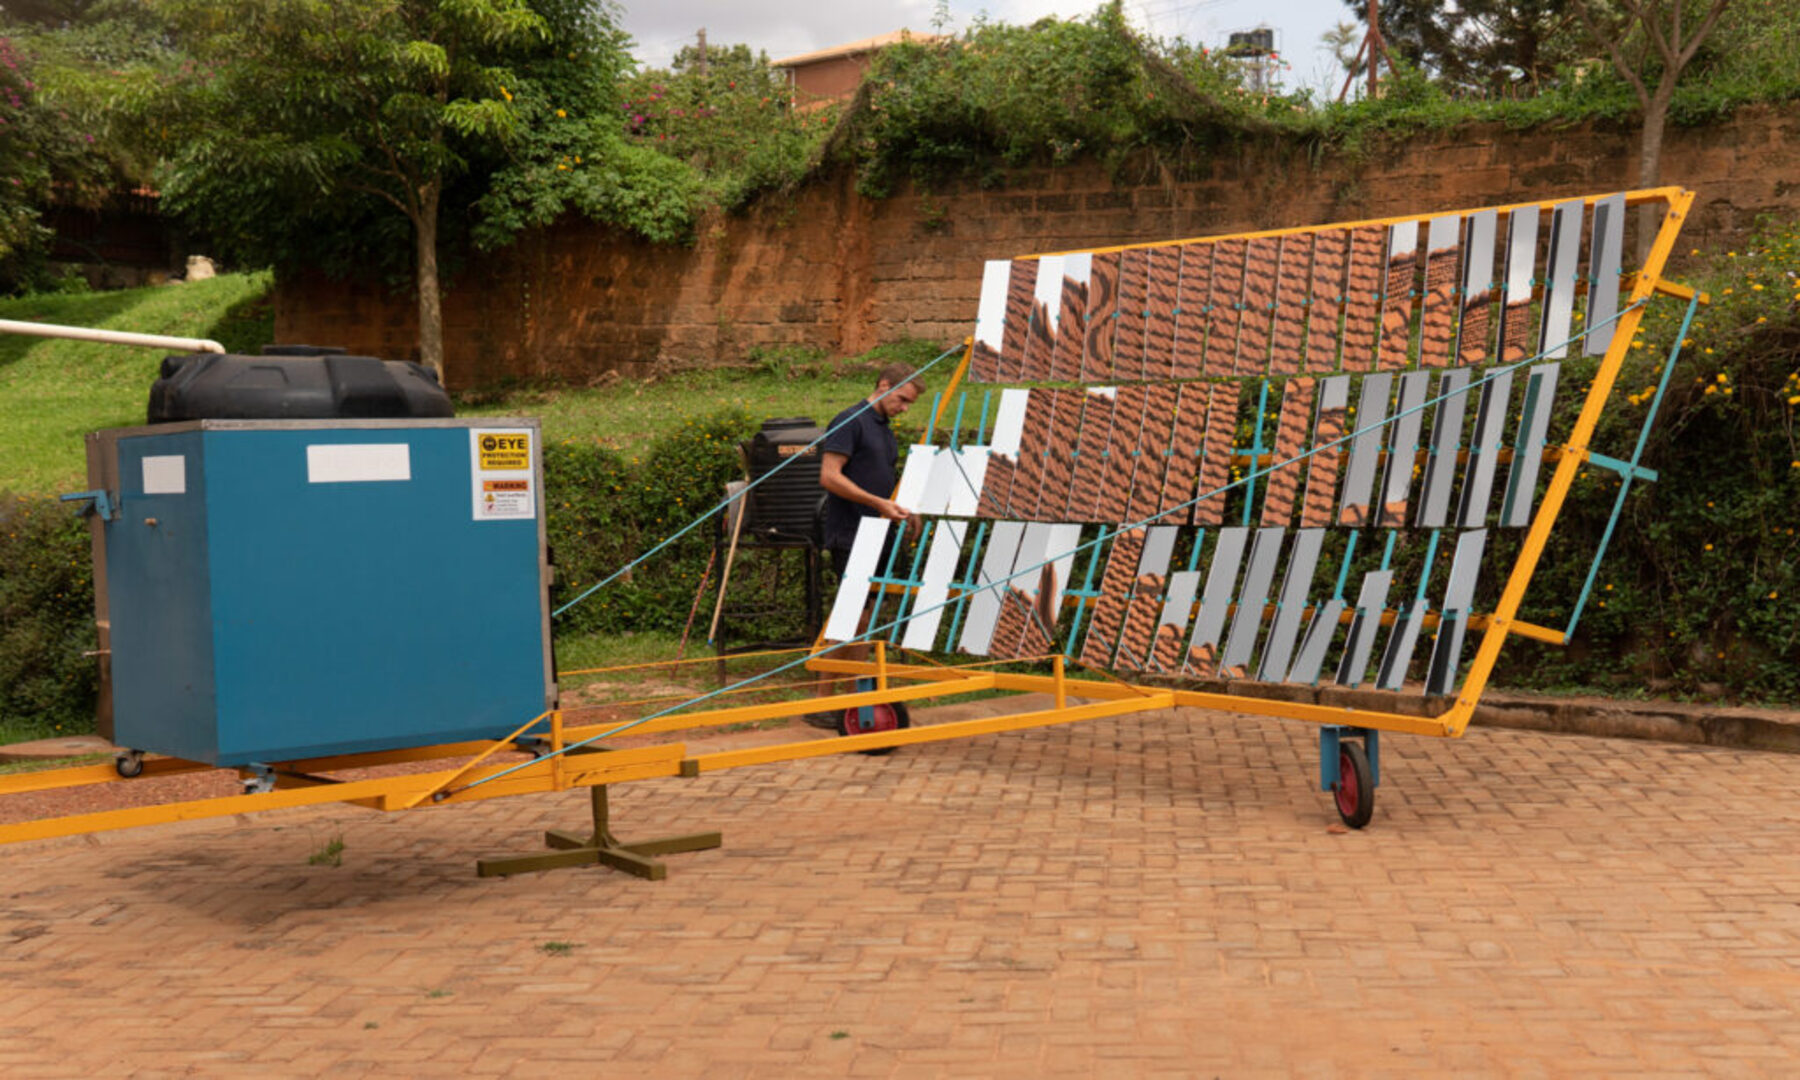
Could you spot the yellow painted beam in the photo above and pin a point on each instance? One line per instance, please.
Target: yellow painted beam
(762, 755)
(780, 709)
(622, 765)
(84, 775)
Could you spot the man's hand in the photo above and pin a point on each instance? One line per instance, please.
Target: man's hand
(891, 510)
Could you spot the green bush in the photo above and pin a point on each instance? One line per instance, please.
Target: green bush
(47, 684)
(1699, 591)
(607, 508)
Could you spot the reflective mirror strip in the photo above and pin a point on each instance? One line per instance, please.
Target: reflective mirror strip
(1021, 629)
(1071, 327)
(915, 478)
(984, 602)
(1109, 609)
(1153, 459)
(1331, 256)
(1221, 581)
(1528, 451)
(1246, 624)
(1296, 585)
(1362, 305)
(1516, 332)
(1474, 334)
(1171, 625)
(1397, 296)
(967, 475)
(1146, 599)
(1046, 310)
(1225, 299)
(1484, 450)
(1034, 443)
(1403, 641)
(1371, 601)
(1090, 453)
(1190, 316)
(1134, 302)
(1327, 452)
(853, 589)
(1365, 450)
(1159, 324)
(1003, 451)
(1446, 441)
(1437, 321)
(1103, 304)
(1459, 596)
(1564, 274)
(1184, 452)
(1261, 259)
(1289, 334)
(1121, 455)
(1290, 443)
(1021, 287)
(1403, 451)
(1605, 259)
(1053, 490)
(1313, 648)
(934, 586)
(990, 321)
(1215, 464)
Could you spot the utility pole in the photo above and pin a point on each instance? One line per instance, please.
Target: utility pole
(702, 37)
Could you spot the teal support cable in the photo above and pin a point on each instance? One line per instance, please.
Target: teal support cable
(1637, 454)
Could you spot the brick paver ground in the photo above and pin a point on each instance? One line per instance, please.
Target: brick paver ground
(1155, 897)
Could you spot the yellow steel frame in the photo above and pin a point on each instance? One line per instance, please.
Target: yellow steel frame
(308, 783)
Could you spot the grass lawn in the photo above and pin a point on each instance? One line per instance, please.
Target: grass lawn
(53, 392)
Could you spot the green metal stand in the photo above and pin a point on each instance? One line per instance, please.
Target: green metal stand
(602, 847)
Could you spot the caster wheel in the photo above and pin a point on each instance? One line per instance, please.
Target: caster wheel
(881, 718)
(129, 764)
(1355, 790)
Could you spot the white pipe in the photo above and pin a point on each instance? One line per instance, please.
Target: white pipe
(109, 337)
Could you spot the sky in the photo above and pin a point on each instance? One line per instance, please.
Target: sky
(787, 28)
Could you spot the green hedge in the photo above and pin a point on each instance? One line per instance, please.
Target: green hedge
(47, 684)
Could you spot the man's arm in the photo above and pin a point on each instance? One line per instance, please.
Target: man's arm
(832, 479)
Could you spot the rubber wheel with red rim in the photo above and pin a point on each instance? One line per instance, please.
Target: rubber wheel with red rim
(883, 717)
(1355, 790)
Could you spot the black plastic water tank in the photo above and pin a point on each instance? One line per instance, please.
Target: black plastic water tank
(786, 505)
(293, 382)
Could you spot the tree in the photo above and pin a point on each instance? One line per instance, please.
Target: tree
(1473, 44)
(306, 130)
(1646, 40)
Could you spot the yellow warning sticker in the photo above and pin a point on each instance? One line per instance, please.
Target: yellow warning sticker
(505, 451)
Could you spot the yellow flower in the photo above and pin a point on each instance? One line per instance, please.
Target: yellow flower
(1756, 288)
(561, 115)
(1709, 547)
(1722, 377)
(1773, 595)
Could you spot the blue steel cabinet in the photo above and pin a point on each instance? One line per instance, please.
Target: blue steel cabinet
(277, 590)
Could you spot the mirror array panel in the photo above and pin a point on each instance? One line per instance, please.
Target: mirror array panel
(1197, 514)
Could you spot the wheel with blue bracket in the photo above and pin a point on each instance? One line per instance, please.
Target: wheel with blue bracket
(869, 719)
(1354, 791)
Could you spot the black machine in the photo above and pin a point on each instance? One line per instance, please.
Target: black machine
(782, 515)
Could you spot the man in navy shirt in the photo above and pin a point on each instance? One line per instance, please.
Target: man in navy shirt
(860, 456)
(858, 470)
